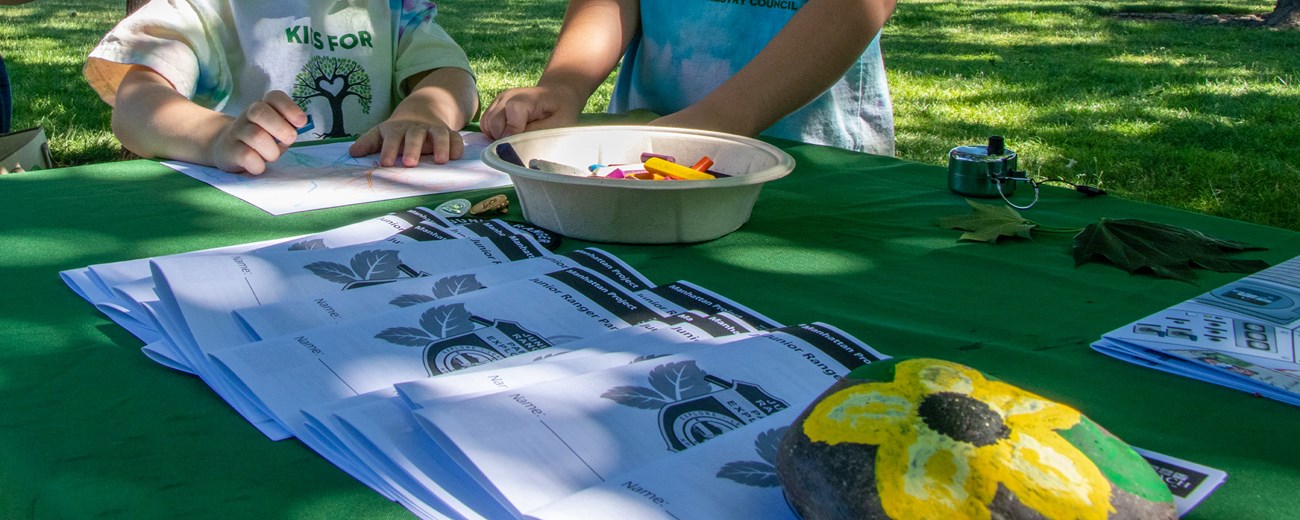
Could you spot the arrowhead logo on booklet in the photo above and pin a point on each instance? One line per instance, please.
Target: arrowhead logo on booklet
(451, 341)
(695, 406)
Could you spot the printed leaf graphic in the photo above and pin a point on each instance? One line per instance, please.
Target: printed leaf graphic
(680, 380)
(315, 243)
(453, 285)
(445, 321)
(376, 264)
(988, 223)
(750, 473)
(1166, 251)
(409, 336)
(768, 443)
(407, 300)
(636, 397)
(337, 273)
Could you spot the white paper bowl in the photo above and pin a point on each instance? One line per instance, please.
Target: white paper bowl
(639, 212)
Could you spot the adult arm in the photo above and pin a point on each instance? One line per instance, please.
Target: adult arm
(806, 57)
(426, 122)
(152, 119)
(592, 40)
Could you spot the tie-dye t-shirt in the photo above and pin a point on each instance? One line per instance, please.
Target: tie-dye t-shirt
(342, 61)
(687, 48)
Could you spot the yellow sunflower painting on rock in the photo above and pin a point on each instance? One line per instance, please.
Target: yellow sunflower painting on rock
(926, 438)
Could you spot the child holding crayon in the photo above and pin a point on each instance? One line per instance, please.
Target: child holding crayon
(808, 70)
(233, 83)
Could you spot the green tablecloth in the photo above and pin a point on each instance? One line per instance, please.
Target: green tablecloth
(91, 428)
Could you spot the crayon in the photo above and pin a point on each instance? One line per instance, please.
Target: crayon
(306, 127)
(645, 156)
(676, 171)
(507, 154)
(703, 164)
(625, 168)
(557, 168)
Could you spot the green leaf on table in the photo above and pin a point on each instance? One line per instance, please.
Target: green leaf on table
(988, 223)
(1164, 250)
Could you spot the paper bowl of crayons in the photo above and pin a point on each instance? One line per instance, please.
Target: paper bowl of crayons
(637, 184)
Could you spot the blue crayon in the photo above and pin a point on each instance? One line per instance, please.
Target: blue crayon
(307, 127)
(507, 153)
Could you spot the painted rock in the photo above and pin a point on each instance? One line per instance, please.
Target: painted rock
(926, 438)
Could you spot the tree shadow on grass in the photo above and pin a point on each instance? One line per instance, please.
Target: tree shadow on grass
(1198, 15)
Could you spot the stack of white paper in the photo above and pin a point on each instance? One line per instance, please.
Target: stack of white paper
(124, 291)
(464, 371)
(377, 433)
(571, 434)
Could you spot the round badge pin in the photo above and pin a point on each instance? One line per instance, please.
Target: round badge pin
(454, 208)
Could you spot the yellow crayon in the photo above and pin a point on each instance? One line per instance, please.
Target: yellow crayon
(674, 170)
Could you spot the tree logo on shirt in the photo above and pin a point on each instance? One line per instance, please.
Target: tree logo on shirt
(695, 406)
(373, 267)
(757, 473)
(333, 80)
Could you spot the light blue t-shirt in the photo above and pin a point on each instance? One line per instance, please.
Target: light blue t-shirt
(687, 48)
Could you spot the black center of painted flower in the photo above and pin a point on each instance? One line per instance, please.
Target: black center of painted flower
(963, 418)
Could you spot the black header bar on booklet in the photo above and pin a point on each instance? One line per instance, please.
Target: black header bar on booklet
(611, 267)
(844, 349)
(693, 297)
(517, 247)
(599, 291)
(423, 233)
(417, 215)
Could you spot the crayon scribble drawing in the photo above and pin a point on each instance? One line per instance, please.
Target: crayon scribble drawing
(325, 176)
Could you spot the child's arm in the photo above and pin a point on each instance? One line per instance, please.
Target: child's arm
(805, 58)
(152, 119)
(426, 122)
(592, 40)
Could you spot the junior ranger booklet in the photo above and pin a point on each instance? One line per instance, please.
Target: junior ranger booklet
(1241, 335)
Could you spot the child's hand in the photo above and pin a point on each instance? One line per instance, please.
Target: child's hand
(410, 137)
(259, 135)
(530, 108)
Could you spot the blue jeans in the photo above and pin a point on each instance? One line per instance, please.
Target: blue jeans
(6, 103)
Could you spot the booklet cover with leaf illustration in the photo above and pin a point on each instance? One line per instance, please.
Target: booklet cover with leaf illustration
(1241, 335)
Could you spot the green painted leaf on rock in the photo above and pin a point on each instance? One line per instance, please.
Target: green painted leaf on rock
(1164, 250)
(988, 223)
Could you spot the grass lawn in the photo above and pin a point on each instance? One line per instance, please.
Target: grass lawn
(1200, 117)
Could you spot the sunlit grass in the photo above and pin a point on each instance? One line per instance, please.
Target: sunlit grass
(1199, 117)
